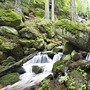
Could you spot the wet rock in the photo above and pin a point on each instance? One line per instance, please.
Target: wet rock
(68, 48)
(20, 70)
(36, 69)
(58, 49)
(84, 54)
(9, 78)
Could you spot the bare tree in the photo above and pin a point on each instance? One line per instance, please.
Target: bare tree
(52, 10)
(47, 9)
(73, 10)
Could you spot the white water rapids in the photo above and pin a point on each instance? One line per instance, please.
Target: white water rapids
(29, 78)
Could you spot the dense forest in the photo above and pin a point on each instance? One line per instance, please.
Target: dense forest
(44, 44)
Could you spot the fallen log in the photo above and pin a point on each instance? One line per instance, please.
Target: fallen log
(17, 64)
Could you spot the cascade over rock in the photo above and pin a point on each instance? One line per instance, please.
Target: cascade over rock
(76, 34)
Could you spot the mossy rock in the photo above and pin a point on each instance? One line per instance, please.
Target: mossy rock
(38, 12)
(58, 49)
(40, 44)
(36, 69)
(9, 78)
(18, 52)
(9, 18)
(68, 48)
(25, 10)
(74, 28)
(50, 46)
(66, 57)
(7, 46)
(32, 50)
(46, 26)
(2, 67)
(9, 61)
(29, 33)
(3, 56)
(8, 32)
(26, 43)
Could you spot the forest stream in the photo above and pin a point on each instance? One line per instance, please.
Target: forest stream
(29, 78)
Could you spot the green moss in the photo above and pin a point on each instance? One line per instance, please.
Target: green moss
(74, 28)
(56, 64)
(29, 32)
(9, 18)
(9, 61)
(8, 15)
(46, 26)
(2, 67)
(6, 46)
(9, 78)
(26, 43)
(38, 12)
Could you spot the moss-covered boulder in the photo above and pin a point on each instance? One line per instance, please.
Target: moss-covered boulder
(68, 48)
(9, 18)
(9, 61)
(9, 78)
(58, 49)
(46, 26)
(26, 43)
(66, 57)
(38, 12)
(18, 52)
(29, 33)
(7, 46)
(8, 32)
(40, 44)
(36, 69)
(74, 33)
(50, 46)
(3, 56)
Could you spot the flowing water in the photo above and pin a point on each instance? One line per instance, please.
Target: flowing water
(29, 78)
(88, 57)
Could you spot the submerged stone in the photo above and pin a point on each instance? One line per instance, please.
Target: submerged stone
(36, 69)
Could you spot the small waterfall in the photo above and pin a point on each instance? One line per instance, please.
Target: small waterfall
(88, 57)
(29, 78)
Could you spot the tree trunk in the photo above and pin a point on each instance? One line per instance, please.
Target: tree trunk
(47, 9)
(73, 10)
(52, 10)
